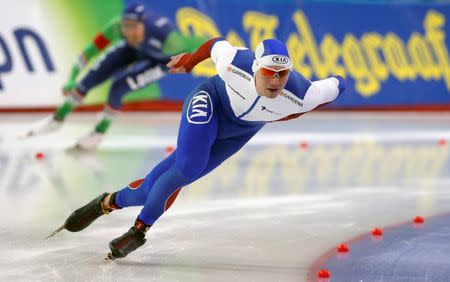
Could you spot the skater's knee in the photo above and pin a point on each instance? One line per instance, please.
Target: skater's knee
(138, 184)
(118, 89)
(132, 195)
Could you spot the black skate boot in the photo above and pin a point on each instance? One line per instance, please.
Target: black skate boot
(84, 216)
(128, 242)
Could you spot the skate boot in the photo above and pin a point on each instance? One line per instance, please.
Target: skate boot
(46, 125)
(84, 216)
(88, 142)
(128, 242)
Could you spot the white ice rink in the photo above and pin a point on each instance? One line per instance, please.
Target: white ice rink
(270, 213)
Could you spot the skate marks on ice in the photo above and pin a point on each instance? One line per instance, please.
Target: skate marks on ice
(265, 215)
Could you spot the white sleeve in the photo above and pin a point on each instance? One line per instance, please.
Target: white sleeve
(321, 92)
(222, 54)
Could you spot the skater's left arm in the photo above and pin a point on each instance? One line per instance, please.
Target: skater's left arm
(323, 91)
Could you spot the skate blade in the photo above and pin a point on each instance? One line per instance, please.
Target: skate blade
(56, 232)
(25, 136)
(75, 149)
(78, 149)
(109, 257)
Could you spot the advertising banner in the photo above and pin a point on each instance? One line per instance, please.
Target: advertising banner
(390, 55)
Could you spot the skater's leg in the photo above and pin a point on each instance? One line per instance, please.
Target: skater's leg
(117, 57)
(108, 115)
(192, 157)
(92, 139)
(198, 152)
(135, 194)
(224, 149)
(140, 75)
(119, 88)
(166, 188)
(113, 60)
(173, 177)
(134, 78)
(197, 133)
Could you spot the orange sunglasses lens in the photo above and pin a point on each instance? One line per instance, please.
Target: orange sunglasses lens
(274, 73)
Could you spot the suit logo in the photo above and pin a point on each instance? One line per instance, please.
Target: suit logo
(239, 72)
(292, 99)
(264, 108)
(200, 109)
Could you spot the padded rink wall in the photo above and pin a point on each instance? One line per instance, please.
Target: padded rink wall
(393, 56)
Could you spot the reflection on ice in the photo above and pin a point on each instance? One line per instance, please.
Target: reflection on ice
(265, 215)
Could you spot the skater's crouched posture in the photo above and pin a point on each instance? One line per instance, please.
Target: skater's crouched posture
(218, 118)
(134, 52)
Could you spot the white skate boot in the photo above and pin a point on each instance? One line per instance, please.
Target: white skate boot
(88, 142)
(44, 126)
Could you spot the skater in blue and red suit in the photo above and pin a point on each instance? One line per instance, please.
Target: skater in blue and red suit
(218, 118)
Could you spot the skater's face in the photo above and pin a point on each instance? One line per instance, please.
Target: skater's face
(270, 81)
(133, 31)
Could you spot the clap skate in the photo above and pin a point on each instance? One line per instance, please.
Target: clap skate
(89, 142)
(84, 216)
(128, 242)
(44, 126)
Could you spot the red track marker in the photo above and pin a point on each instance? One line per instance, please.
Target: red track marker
(39, 156)
(343, 248)
(170, 149)
(323, 273)
(304, 145)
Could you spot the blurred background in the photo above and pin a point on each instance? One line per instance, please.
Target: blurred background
(393, 54)
(375, 157)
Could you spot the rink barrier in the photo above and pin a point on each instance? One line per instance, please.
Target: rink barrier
(175, 106)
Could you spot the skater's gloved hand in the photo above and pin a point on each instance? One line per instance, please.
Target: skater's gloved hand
(180, 63)
(68, 87)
